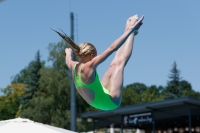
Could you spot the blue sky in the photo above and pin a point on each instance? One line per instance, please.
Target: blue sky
(170, 32)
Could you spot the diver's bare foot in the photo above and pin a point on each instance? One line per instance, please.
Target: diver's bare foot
(135, 23)
(131, 21)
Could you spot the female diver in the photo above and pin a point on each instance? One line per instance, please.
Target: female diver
(107, 93)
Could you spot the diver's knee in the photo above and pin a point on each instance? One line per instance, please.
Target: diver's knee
(117, 63)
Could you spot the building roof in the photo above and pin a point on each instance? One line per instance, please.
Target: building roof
(167, 112)
(146, 107)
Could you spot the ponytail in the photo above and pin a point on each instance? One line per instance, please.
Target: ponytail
(81, 50)
(69, 41)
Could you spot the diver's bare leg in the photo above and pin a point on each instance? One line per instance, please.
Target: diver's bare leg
(113, 78)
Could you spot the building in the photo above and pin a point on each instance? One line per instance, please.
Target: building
(179, 115)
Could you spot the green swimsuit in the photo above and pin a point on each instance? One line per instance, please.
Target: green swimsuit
(102, 99)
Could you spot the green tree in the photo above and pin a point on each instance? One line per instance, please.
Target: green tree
(173, 89)
(130, 97)
(10, 101)
(30, 76)
(138, 87)
(152, 94)
(51, 103)
(139, 93)
(186, 89)
(132, 94)
(21, 77)
(176, 87)
(33, 81)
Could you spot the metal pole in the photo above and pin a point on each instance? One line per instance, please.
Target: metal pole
(122, 123)
(189, 120)
(72, 88)
(93, 120)
(72, 25)
(153, 115)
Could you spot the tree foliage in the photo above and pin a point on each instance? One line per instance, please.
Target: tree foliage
(30, 77)
(152, 94)
(131, 94)
(138, 93)
(10, 101)
(50, 104)
(176, 87)
(173, 89)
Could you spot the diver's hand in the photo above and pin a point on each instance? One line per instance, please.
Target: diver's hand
(68, 51)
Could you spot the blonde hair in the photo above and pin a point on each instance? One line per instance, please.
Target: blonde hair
(82, 50)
